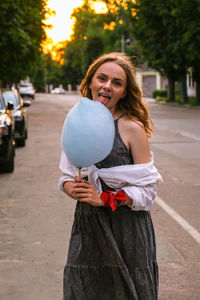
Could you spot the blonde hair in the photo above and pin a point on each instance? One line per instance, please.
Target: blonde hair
(132, 104)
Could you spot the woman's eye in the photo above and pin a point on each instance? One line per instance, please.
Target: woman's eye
(101, 78)
(118, 83)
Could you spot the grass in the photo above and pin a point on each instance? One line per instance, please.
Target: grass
(179, 100)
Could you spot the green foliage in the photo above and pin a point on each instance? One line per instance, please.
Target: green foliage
(21, 31)
(193, 101)
(161, 99)
(39, 77)
(94, 34)
(159, 93)
(48, 71)
(163, 31)
(168, 33)
(85, 46)
(160, 37)
(179, 99)
(187, 14)
(72, 68)
(53, 71)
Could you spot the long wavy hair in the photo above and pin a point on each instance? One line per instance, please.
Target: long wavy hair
(132, 104)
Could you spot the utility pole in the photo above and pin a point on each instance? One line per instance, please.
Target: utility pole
(122, 43)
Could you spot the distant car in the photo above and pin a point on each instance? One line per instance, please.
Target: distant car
(58, 91)
(27, 90)
(20, 115)
(7, 144)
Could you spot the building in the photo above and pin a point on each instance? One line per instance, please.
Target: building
(149, 80)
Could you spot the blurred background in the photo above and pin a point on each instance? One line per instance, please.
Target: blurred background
(45, 50)
(52, 43)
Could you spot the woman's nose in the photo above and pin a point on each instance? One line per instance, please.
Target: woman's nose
(107, 84)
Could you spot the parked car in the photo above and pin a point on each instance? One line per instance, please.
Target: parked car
(7, 143)
(20, 115)
(27, 90)
(58, 91)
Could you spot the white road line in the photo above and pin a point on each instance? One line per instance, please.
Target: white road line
(184, 224)
(188, 135)
(181, 132)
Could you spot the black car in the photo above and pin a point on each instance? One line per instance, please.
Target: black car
(7, 144)
(19, 113)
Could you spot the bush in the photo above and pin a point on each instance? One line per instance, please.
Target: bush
(159, 93)
(161, 99)
(178, 99)
(192, 101)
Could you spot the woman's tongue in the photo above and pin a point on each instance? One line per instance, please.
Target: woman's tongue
(104, 100)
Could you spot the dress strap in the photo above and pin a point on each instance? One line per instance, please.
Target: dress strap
(120, 117)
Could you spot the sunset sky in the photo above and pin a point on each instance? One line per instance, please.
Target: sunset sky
(61, 22)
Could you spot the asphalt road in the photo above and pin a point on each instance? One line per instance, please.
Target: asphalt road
(36, 218)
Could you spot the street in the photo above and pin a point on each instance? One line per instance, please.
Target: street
(36, 218)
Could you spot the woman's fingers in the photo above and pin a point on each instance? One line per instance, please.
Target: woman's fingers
(85, 192)
(83, 185)
(82, 196)
(78, 179)
(80, 190)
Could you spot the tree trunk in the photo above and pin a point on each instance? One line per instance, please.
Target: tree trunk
(184, 88)
(171, 89)
(198, 90)
(196, 76)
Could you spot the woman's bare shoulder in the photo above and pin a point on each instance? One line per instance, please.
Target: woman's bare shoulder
(133, 125)
(135, 137)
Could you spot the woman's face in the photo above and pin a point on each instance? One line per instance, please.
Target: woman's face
(109, 85)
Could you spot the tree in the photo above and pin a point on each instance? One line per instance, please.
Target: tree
(94, 34)
(168, 34)
(53, 70)
(187, 14)
(85, 45)
(21, 31)
(120, 13)
(161, 39)
(39, 77)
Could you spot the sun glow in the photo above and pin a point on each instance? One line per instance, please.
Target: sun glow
(62, 23)
(99, 7)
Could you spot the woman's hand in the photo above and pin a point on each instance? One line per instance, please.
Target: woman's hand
(84, 191)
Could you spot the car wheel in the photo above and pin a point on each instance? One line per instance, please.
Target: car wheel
(21, 142)
(26, 134)
(8, 167)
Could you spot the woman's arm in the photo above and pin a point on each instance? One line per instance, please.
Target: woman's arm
(68, 188)
(76, 187)
(135, 138)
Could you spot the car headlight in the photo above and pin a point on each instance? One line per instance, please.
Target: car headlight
(3, 130)
(17, 115)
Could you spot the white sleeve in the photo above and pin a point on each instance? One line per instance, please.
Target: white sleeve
(67, 169)
(142, 196)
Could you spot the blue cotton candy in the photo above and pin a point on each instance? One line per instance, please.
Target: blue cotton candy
(88, 133)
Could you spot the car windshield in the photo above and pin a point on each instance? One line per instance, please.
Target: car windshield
(11, 97)
(1, 103)
(25, 85)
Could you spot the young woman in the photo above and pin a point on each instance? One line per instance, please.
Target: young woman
(112, 252)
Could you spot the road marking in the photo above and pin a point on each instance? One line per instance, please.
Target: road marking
(184, 224)
(181, 132)
(189, 135)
